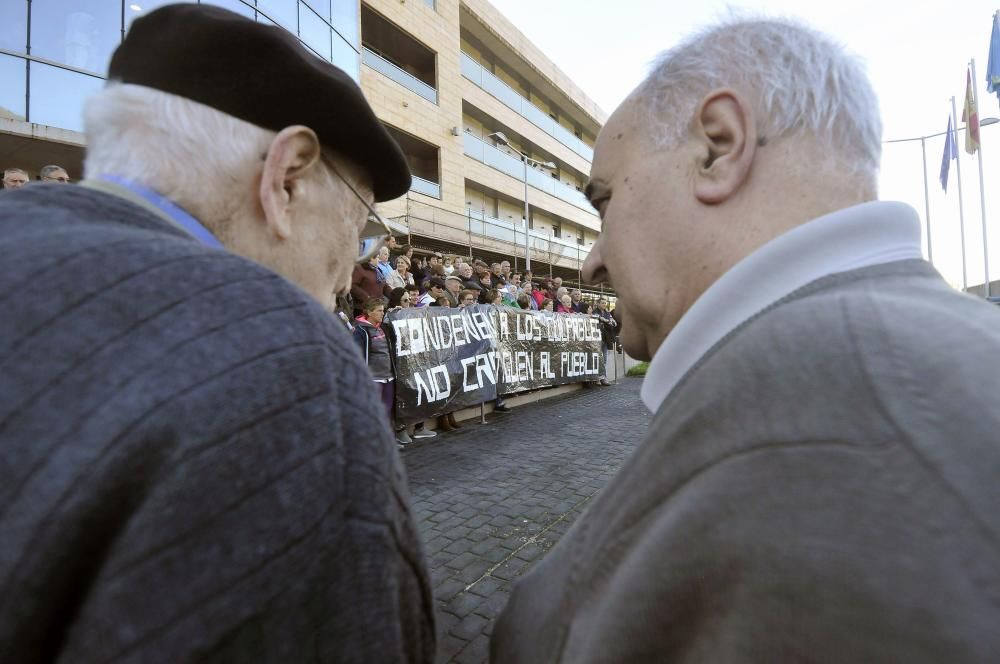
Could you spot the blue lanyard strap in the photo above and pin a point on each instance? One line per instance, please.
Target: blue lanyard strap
(180, 216)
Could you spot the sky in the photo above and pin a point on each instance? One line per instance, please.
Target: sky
(915, 52)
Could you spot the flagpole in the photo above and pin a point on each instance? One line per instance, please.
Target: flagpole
(927, 200)
(982, 188)
(961, 208)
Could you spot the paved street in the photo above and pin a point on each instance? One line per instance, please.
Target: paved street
(492, 500)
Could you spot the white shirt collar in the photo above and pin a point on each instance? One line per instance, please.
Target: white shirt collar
(849, 239)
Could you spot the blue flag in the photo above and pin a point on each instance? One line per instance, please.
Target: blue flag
(950, 152)
(993, 65)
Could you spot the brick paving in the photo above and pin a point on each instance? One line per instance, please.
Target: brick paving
(492, 500)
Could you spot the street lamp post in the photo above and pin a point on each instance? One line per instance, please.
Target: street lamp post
(927, 206)
(499, 137)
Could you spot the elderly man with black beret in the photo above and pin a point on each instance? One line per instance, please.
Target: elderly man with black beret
(195, 466)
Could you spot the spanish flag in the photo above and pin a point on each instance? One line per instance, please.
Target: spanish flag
(970, 116)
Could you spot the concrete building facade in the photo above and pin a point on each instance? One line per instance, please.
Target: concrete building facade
(465, 93)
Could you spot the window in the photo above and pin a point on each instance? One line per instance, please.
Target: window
(345, 57)
(314, 31)
(14, 25)
(13, 73)
(233, 6)
(282, 12)
(136, 8)
(57, 96)
(321, 7)
(346, 20)
(79, 33)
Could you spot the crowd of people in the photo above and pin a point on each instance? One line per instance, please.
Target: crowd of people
(394, 278)
(196, 467)
(15, 178)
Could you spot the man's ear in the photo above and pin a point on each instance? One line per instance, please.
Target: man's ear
(292, 155)
(727, 131)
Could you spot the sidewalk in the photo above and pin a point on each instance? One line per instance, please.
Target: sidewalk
(492, 500)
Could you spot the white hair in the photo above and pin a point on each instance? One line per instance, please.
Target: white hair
(800, 82)
(195, 155)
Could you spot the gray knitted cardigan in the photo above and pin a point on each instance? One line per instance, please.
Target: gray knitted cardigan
(193, 462)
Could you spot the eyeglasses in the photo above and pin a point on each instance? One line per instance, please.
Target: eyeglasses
(52, 179)
(376, 231)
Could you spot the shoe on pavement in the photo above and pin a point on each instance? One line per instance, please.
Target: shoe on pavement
(403, 438)
(605, 383)
(423, 433)
(501, 409)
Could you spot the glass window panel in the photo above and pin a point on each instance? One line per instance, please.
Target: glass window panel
(136, 8)
(232, 5)
(14, 25)
(79, 33)
(280, 11)
(57, 96)
(314, 31)
(322, 7)
(347, 21)
(346, 58)
(12, 73)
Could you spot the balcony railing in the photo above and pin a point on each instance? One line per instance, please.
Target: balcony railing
(476, 73)
(514, 167)
(406, 79)
(506, 231)
(425, 187)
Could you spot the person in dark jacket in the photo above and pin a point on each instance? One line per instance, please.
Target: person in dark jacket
(370, 338)
(366, 283)
(193, 464)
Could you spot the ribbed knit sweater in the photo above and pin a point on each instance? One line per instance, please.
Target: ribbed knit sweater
(194, 465)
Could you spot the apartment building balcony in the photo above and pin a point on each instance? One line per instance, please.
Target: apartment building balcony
(394, 53)
(509, 97)
(514, 167)
(424, 161)
(475, 232)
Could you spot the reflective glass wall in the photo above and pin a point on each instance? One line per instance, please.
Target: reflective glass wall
(54, 53)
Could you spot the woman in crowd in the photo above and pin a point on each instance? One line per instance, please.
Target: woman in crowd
(524, 301)
(539, 295)
(546, 305)
(400, 277)
(399, 298)
(370, 338)
(528, 289)
(442, 302)
(449, 265)
(494, 297)
(586, 308)
(467, 298)
(565, 305)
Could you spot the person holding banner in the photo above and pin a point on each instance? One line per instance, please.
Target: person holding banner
(820, 478)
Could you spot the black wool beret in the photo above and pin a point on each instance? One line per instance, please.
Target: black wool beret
(263, 75)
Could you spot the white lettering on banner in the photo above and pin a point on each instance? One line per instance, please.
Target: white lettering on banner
(518, 366)
(545, 364)
(484, 371)
(458, 328)
(431, 386)
(441, 322)
(578, 364)
(504, 322)
(484, 324)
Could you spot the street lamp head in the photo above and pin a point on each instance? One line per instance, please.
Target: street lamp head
(548, 164)
(988, 121)
(499, 137)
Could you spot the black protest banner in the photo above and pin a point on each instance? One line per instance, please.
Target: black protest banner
(445, 359)
(541, 349)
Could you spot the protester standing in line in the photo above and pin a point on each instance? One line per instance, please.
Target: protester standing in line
(195, 466)
(819, 481)
(400, 277)
(371, 340)
(14, 178)
(609, 334)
